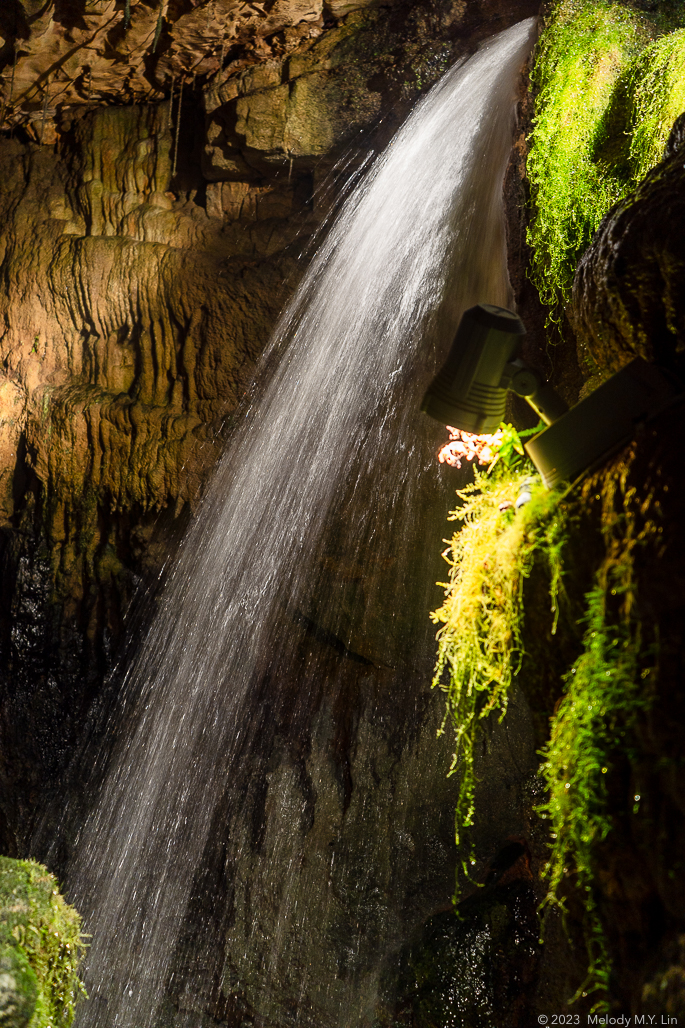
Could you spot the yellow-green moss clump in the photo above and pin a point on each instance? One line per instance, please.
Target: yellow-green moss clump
(610, 82)
(657, 91)
(41, 946)
(480, 643)
(608, 687)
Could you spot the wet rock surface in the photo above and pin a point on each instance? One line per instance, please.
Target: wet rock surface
(627, 294)
(471, 965)
(307, 926)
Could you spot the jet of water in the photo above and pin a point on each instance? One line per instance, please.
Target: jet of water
(420, 239)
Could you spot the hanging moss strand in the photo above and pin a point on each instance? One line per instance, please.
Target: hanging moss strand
(480, 646)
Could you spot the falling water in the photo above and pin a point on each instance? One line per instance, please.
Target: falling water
(420, 239)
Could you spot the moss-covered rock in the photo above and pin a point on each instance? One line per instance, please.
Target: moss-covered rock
(610, 79)
(40, 949)
(613, 766)
(18, 988)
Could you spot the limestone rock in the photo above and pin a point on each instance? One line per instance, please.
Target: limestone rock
(147, 243)
(131, 324)
(59, 57)
(163, 182)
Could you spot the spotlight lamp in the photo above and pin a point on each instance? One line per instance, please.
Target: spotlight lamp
(469, 393)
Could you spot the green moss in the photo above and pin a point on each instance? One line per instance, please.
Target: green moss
(590, 733)
(593, 737)
(480, 644)
(657, 87)
(18, 989)
(41, 944)
(607, 95)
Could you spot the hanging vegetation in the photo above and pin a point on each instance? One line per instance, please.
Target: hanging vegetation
(608, 92)
(590, 731)
(657, 89)
(482, 647)
(608, 689)
(480, 644)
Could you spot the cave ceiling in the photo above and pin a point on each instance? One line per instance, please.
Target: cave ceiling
(67, 55)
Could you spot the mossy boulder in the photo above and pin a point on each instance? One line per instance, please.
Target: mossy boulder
(18, 988)
(40, 949)
(609, 79)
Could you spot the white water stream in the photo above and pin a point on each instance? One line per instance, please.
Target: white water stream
(420, 239)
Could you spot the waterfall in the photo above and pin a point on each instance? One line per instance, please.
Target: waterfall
(334, 443)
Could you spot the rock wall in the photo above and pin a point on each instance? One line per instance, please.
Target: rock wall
(131, 326)
(629, 286)
(164, 169)
(165, 172)
(161, 198)
(628, 301)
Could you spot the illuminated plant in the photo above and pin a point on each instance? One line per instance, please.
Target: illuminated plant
(590, 731)
(482, 649)
(480, 646)
(608, 92)
(657, 88)
(608, 689)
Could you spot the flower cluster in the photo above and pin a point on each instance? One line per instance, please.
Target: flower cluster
(465, 446)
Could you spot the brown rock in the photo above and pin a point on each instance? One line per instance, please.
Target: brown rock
(131, 323)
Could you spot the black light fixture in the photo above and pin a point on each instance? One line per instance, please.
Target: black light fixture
(469, 393)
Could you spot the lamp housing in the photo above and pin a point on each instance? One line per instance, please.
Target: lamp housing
(470, 391)
(467, 392)
(601, 423)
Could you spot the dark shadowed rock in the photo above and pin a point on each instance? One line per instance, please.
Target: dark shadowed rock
(629, 301)
(628, 290)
